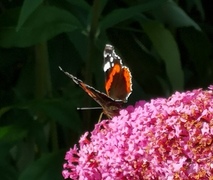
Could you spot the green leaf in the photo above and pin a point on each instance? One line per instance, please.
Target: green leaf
(27, 9)
(166, 46)
(120, 15)
(45, 23)
(80, 43)
(12, 133)
(58, 110)
(198, 5)
(170, 13)
(199, 49)
(80, 3)
(7, 171)
(49, 166)
(4, 110)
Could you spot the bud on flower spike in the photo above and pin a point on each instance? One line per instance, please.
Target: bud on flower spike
(161, 139)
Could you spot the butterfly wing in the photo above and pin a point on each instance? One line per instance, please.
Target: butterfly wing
(118, 81)
(110, 107)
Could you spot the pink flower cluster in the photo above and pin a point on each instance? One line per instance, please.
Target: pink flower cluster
(161, 139)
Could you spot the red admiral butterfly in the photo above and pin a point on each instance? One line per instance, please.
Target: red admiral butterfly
(118, 83)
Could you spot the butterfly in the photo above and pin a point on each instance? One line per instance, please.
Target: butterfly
(118, 83)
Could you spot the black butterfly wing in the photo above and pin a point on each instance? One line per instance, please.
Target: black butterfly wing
(118, 79)
(110, 107)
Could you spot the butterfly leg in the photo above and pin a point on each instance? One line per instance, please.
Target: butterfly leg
(101, 115)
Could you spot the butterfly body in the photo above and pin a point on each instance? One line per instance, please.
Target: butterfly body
(118, 84)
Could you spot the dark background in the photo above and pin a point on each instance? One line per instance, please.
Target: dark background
(166, 44)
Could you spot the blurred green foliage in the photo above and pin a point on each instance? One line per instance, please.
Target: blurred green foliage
(166, 44)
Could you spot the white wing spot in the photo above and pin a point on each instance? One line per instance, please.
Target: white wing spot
(107, 66)
(111, 59)
(105, 55)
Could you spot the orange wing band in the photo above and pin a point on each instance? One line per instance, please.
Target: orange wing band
(116, 69)
(128, 79)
